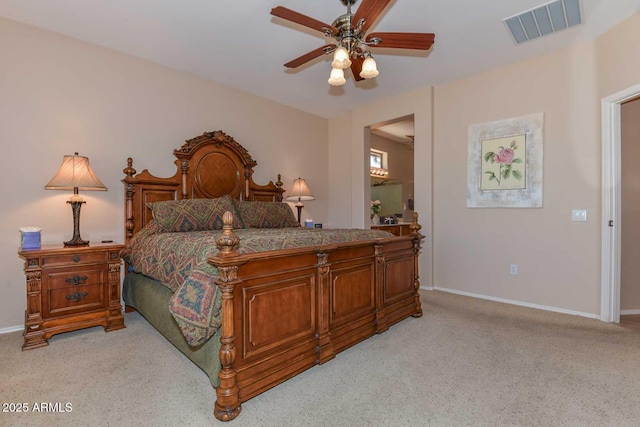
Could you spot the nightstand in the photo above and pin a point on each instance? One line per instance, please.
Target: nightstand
(70, 288)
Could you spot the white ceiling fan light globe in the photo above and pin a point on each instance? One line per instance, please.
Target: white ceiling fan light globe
(369, 68)
(337, 77)
(341, 58)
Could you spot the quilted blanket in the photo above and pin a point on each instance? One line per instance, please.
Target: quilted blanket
(179, 261)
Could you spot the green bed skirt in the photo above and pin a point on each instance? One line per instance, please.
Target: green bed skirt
(151, 299)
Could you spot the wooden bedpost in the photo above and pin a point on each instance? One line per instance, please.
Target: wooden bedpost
(415, 231)
(227, 406)
(129, 224)
(279, 188)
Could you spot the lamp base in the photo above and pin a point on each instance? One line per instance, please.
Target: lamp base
(76, 240)
(299, 206)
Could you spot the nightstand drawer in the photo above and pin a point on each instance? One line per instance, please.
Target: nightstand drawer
(74, 299)
(69, 279)
(55, 260)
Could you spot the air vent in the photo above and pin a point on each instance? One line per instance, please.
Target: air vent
(546, 19)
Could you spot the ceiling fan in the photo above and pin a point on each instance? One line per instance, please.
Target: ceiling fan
(351, 42)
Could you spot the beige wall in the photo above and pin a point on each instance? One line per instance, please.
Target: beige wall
(559, 260)
(60, 95)
(630, 241)
(340, 159)
(617, 55)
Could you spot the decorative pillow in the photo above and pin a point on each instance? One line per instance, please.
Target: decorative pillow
(196, 307)
(266, 215)
(193, 214)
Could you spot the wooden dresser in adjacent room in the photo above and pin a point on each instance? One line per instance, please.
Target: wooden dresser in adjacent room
(396, 229)
(71, 288)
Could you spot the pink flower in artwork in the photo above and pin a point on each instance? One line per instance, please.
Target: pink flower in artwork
(505, 156)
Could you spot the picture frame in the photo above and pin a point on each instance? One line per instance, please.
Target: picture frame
(505, 163)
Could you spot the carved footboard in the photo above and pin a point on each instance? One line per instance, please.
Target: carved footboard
(286, 311)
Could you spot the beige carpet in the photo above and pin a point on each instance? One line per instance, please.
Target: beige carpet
(466, 362)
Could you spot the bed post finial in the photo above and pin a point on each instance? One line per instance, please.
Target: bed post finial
(415, 227)
(227, 241)
(129, 170)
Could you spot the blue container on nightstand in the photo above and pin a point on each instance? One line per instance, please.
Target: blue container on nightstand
(30, 238)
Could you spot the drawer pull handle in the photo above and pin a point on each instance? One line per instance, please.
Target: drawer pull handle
(76, 297)
(76, 280)
(76, 258)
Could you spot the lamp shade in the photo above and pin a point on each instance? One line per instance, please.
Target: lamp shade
(369, 68)
(341, 58)
(337, 77)
(300, 191)
(75, 172)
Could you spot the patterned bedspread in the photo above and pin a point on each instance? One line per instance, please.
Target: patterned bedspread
(179, 261)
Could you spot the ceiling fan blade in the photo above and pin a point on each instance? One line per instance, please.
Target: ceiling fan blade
(356, 67)
(310, 55)
(299, 18)
(421, 41)
(369, 10)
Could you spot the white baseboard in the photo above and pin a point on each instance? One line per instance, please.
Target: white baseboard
(520, 303)
(11, 329)
(628, 312)
(426, 288)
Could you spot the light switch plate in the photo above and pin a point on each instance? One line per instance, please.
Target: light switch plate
(578, 215)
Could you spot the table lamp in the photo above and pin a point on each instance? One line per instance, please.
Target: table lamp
(75, 174)
(299, 193)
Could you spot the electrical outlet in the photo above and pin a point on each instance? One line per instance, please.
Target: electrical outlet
(513, 269)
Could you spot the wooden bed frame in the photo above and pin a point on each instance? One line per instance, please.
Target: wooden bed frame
(288, 310)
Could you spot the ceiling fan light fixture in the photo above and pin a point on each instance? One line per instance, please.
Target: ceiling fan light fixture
(341, 58)
(337, 77)
(369, 68)
(351, 39)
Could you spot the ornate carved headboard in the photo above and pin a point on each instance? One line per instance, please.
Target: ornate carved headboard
(208, 166)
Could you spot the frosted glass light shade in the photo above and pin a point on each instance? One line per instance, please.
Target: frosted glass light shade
(337, 77)
(341, 58)
(369, 69)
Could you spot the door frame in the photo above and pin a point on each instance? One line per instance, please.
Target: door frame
(611, 202)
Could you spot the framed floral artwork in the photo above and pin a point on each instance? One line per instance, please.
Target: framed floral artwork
(505, 163)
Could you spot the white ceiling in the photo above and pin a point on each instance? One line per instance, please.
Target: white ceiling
(239, 44)
(401, 130)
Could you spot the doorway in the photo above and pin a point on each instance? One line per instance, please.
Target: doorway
(630, 214)
(391, 180)
(611, 202)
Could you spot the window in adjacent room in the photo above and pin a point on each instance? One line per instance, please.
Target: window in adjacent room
(378, 163)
